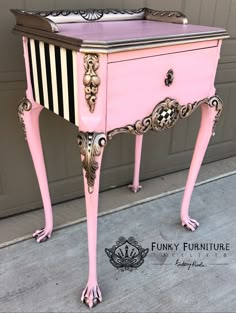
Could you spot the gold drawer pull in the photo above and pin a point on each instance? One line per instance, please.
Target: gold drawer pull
(169, 78)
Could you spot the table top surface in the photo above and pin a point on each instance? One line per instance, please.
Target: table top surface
(123, 31)
(112, 30)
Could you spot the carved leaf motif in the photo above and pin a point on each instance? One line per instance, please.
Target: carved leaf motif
(91, 145)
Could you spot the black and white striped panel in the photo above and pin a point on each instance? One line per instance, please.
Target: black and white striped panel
(54, 78)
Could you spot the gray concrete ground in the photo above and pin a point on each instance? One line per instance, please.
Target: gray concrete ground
(16, 228)
(50, 277)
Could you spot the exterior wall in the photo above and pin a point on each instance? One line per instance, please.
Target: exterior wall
(162, 153)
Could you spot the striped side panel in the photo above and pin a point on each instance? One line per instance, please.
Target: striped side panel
(54, 78)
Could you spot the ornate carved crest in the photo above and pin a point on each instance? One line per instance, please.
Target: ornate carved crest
(90, 15)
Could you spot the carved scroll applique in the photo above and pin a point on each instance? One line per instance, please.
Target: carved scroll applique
(91, 79)
(24, 105)
(166, 114)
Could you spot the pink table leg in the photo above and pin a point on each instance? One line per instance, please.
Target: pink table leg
(91, 149)
(209, 114)
(29, 116)
(135, 187)
(29, 112)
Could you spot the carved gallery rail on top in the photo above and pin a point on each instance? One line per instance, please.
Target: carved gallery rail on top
(91, 66)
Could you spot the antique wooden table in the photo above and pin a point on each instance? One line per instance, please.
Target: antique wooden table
(111, 72)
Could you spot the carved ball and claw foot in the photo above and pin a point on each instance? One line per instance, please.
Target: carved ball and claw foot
(42, 235)
(91, 296)
(135, 189)
(190, 224)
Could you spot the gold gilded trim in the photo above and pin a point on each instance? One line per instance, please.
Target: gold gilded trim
(91, 79)
(24, 105)
(153, 43)
(217, 103)
(166, 16)
(166, 114)
(91, 145)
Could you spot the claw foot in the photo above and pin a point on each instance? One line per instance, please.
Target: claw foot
(91, 296)
(42, 235)
(190, 224)
(134, 188)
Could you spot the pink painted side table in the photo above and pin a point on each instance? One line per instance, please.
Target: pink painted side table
(112, 72)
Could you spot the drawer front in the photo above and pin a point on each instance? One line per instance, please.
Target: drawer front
(136, 86)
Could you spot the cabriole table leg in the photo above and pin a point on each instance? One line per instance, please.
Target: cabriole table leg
(210, 114)
(29, 112)
(91, 149)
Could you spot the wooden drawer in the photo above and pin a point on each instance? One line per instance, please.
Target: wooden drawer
(143, 83)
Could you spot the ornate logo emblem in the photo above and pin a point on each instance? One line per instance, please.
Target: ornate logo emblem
(127, 254)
